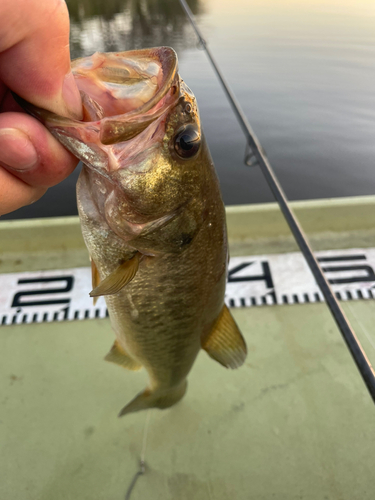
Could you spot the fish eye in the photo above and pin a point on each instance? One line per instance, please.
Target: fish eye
(187, 141)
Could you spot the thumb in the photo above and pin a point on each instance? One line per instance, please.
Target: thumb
(34, 55)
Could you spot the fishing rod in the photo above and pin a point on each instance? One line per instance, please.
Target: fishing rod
(350, 338)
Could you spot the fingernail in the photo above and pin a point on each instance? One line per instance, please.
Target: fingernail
(16, 150)
(72, 97)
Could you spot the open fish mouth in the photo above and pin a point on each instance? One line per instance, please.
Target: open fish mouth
(126, 91)
(122, 94)
(124, 82)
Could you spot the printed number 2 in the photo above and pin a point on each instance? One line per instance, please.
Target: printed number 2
(17, 299)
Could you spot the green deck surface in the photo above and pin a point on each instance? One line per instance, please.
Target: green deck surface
(295, 422)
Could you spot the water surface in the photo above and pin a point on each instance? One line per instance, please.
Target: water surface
(304, 72)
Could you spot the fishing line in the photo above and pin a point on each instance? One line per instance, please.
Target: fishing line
(145, 435)
(142, 462)
(347, 332)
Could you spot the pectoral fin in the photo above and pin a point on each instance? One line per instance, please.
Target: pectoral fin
(120, 357)
(120, 277)
(95, 278)
(225, 343)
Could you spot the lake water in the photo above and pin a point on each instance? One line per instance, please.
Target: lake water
(303, 71)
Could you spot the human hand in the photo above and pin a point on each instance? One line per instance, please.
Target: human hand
(35, 64)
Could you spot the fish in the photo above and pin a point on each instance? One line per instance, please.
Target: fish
(152, 218)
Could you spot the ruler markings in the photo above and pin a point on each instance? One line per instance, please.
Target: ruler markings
(254, 281)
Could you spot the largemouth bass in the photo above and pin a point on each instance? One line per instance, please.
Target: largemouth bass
(152, 218)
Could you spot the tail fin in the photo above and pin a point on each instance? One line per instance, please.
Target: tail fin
(158, 399)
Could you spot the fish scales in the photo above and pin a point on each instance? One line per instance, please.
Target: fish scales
(152, 219)
(169, 292)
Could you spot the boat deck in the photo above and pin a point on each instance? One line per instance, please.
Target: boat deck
(295, 422)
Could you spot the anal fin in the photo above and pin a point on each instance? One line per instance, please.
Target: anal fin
(119, 278)
(95, 278)
(225, 343)
(120, 357)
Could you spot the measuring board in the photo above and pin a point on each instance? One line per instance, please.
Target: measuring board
(256, 280)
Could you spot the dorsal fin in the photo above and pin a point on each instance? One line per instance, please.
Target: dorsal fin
(225, 343)
(120, 277)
